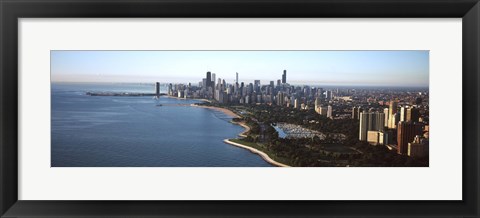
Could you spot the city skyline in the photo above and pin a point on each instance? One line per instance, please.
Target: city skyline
(341, 68)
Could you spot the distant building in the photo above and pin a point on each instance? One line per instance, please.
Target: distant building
(280, 98)
(318, 101)
(328, 95)
(406, 132)
(330, 112)
(391, 117)
(157, 89)
(284, 77)
(355, 113)
(385, 111)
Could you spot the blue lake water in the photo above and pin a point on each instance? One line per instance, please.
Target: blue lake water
(107, 131)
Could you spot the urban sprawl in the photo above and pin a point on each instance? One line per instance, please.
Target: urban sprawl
(396, 118)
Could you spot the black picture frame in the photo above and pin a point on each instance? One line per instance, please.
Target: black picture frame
(12, 10)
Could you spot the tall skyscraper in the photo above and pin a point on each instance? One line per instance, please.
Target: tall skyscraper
(392, 110)
(406, 133)
(213, 80)
(403, 113)
(208, 80)
(385, 111)
(236, 80)
(284, 77)
(256, 86)
(370, 121)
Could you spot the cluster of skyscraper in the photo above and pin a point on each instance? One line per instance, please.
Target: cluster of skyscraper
(382, 127)
(281, 94)
(398, 126)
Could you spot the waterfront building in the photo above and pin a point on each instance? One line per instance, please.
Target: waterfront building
(406, 133)
(157, 89)
(170, 89)
(418, 147)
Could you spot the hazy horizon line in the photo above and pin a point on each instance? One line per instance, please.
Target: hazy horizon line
(292, 84)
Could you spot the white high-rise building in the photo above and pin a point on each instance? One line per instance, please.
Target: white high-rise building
(403, 113)
(385, 111)
(392, 123)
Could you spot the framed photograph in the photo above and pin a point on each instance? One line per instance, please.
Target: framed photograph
(224, 108)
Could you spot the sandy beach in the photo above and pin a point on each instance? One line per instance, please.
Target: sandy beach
(242, 134)
(255, 151)
(224, 110)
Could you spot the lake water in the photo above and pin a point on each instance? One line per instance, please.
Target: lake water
(107, 131)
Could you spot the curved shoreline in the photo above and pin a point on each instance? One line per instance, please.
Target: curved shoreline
(256, 151)
(263, 155)
(224, 110)
(247, 128)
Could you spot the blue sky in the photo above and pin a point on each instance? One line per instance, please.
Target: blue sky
(352, 68)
